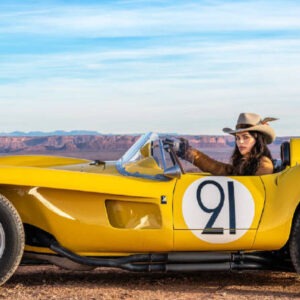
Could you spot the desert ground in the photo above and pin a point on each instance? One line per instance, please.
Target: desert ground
(50, 282)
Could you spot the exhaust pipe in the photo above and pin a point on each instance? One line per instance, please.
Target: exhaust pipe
(126, 262)
(163, 262)
(173, 262)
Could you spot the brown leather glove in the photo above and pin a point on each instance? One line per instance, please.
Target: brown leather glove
(180, 146)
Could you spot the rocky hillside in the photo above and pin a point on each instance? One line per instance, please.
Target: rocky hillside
(109, 145)
(74, 143)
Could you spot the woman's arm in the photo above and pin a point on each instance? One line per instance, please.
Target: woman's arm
(206, 163)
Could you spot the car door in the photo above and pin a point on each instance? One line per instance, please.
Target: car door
(216, 212)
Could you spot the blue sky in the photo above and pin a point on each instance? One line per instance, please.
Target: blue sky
(135, 66)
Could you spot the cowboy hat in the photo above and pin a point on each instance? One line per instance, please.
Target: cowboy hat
(253, 122)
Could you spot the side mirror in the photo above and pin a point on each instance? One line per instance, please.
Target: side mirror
(173, 172)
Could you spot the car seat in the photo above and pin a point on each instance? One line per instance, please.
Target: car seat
(285, 155)
(280, 164)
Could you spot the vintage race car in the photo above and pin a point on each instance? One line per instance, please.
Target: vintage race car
(144, 212)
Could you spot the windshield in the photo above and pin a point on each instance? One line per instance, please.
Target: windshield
(147, 158)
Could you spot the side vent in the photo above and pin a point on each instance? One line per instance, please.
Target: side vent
(133, 215)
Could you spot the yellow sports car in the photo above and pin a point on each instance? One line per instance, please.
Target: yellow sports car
(145, 213)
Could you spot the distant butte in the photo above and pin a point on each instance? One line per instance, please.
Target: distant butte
(105, 146)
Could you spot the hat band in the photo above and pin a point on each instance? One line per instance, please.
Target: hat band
(243, 126)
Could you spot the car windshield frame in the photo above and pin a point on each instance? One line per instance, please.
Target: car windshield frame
(134, 151)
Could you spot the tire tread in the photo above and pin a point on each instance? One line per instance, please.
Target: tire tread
(21, 237)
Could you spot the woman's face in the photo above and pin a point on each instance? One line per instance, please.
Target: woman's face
(244, 141)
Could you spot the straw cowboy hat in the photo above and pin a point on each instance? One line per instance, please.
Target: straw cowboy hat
(253, 122)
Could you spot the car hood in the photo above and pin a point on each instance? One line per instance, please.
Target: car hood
(59, 162)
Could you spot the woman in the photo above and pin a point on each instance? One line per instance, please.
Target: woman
(251, 155)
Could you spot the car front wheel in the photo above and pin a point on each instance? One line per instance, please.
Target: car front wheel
(11, 239)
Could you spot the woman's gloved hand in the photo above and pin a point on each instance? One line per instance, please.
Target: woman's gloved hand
(181, 146)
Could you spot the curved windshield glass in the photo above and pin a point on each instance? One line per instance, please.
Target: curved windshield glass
(146, 158)
(134, 151)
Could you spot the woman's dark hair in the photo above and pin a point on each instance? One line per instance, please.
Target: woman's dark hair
(249, 164)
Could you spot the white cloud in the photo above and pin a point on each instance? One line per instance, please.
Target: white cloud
(103, 20)
(210, 60)
(169, 106)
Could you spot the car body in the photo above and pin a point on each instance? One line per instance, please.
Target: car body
(144, 212)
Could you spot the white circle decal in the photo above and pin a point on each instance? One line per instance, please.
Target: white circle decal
(218, 209)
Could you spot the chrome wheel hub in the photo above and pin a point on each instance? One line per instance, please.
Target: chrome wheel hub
(2, 240)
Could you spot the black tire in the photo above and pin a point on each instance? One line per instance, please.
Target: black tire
(11, 239)
(294, 243)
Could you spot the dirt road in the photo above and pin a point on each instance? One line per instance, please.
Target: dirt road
(49, 282)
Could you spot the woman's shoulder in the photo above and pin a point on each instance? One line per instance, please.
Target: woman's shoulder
(266, 159)
(265, 166)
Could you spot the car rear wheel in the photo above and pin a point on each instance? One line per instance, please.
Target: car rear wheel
(294, 243)
(11, 239)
